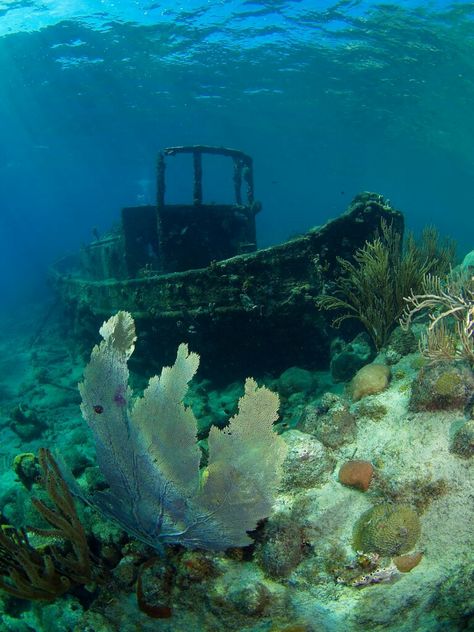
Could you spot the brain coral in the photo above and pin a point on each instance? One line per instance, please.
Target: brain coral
(369, 380)
(387, 529)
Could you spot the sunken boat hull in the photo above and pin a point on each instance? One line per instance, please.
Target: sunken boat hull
(250, 313)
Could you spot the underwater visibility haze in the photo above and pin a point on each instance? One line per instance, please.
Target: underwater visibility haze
(304, 461)
(329, 98)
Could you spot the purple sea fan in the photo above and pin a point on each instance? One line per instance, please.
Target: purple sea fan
(119, 397)
(150, 459)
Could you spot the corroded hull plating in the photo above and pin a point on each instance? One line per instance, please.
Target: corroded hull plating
(261, 304)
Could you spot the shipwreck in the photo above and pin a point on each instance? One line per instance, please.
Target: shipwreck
(193, 273)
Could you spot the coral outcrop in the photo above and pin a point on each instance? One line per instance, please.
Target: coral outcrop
(387, 529)
(369, 380)
(443, 386)
(356, 474)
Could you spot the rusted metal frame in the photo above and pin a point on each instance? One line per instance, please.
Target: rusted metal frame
(160, 180)
(243, 169)
(238, 166)
(207, 149)
(248, 177)
(197, 185)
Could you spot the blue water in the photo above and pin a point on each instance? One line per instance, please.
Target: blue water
(330, 98)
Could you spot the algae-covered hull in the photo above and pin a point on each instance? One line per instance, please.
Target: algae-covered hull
(252, 311)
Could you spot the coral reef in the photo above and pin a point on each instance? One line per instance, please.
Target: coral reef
(307, 462)
(282, 548)
(303, 568)
(444, 385)
(331, 422)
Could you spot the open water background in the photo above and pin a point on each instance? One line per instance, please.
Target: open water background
(330, 98)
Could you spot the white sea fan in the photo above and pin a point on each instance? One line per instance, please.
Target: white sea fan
(149, 456)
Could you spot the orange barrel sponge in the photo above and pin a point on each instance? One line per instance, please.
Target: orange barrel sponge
(356, 474)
